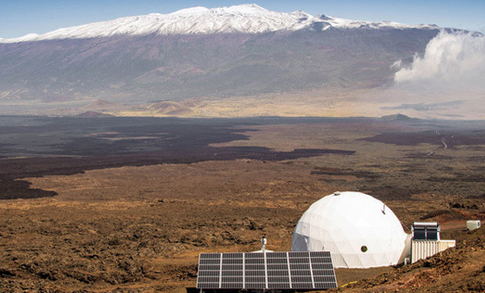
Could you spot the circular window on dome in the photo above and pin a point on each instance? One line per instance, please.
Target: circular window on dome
(363, 248)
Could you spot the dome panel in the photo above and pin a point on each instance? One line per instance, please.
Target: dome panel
(343, 223)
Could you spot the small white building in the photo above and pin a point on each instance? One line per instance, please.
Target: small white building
(473, 225)
(426, 241)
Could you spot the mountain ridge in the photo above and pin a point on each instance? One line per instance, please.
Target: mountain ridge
(245, 18)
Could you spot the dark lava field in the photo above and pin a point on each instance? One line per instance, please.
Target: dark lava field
(126, 204)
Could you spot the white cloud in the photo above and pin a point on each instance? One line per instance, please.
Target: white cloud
(451, 61)
(447, 81)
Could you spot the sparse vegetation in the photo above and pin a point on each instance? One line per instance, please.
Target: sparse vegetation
(134, 223)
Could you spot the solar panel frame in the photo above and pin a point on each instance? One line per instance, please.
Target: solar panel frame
(267, 270)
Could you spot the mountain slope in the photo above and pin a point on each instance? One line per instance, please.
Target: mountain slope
(247, 51)
(458, 269)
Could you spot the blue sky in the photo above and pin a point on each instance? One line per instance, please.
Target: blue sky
(20, 17)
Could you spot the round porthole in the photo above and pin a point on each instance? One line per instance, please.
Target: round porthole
(363, 248)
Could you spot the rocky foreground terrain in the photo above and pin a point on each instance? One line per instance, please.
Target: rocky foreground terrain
(126, 227)
(459, 269)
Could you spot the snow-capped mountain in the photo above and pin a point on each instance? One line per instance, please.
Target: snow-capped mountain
(198, 54)
(248, 18)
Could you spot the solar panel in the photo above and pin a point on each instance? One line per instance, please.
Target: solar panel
(303, 270)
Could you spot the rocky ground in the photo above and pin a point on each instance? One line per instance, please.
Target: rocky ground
(459, 269)
(140, 228)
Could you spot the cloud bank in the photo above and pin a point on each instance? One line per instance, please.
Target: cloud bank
(448, 81)
(452, 61)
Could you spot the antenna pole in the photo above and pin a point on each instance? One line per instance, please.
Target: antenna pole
(263, 242)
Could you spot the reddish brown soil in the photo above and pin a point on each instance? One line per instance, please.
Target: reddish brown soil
(459, 269)
(118, 228)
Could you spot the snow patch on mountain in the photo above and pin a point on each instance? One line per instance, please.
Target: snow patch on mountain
(247, 18)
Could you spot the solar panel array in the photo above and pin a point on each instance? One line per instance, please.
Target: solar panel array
(303, 270)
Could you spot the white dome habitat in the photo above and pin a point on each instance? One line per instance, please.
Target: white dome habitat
(358, 230)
